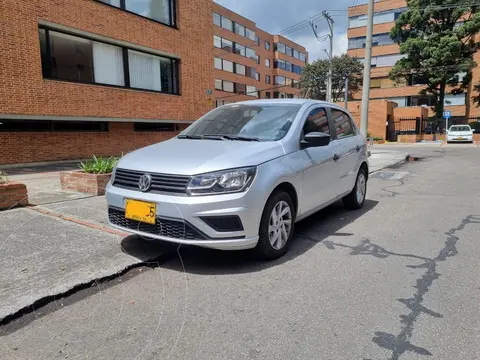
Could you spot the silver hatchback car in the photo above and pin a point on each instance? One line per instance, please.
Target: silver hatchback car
(241, 176)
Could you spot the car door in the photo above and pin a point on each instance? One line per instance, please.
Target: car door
(346, 146)
(319, 173)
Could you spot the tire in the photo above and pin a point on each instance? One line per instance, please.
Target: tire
(352, 201)
(270, 245)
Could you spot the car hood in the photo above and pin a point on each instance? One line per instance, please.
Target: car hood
(191, 157)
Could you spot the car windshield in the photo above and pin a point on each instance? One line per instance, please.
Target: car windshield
(460, 128)
(263, 122)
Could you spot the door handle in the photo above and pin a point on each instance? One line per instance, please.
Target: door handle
(358, 148)
(336, 157)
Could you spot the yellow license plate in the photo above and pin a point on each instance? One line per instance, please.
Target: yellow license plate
(140, 211)
(459, 138)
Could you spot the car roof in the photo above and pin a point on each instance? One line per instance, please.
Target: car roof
(287, 101)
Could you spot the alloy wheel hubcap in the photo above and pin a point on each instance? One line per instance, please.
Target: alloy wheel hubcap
(280, 225)
(361, 188)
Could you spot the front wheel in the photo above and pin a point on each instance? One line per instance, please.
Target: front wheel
(276, 226)
(356, 198)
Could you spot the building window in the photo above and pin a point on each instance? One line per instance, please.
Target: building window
(227, 66)
(280, 48)
(297, 69)
(251, 72)
(268, 79)
(257, 59)
(217, 19)
(276, 94)
(218, 63)
(303, 57)
(218, 84)
(280, 64)
(288, 51)
(267, 62)
(257, 40)
(228, 86)
(288, 66)
(257, 76)
(240, 88)
(73, 58)
(227, 45)
(240, 29)
(251, 54)
(252, 91)
(267, 45)
(240, 49)
(52, 126)
(296, 54)
(267, 94)
(227, 23)
(250, 34)
(217, 41)
(162, 11)
(279, 80)
(240, 69)
(140, 127)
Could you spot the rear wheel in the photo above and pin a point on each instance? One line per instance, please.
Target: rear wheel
(276, 226)
(356, 198)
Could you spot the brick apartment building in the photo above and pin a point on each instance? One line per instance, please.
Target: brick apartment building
(384, 55)
(104, 77)
(83, 77)
(251, 63)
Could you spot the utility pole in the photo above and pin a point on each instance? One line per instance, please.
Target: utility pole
(366, 72)
(346, 92)
(330, 70)
(329, 54)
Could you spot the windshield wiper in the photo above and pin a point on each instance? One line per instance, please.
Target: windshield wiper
(201, 137)
(240, 138)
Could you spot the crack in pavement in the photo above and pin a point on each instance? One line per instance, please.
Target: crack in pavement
(400, 343)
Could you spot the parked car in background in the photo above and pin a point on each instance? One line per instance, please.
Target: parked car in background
(242, 175)
(460, 133)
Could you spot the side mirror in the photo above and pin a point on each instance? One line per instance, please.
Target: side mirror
(473, 130)
(315, 139)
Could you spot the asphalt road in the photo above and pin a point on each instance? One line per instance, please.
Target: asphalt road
(397, 280)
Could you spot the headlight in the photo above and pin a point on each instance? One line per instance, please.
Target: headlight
(227, 181)
(112, 178)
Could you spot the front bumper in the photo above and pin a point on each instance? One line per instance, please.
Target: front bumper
(461, 138)
(182, 216)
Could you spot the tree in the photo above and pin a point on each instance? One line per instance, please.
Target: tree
(313, 83)
(476, 99)
(438, 47)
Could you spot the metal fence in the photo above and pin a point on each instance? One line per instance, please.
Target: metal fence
(419, 126)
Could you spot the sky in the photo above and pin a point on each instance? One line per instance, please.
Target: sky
(275, 16)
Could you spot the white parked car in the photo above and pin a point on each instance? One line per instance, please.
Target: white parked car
(460, 133)
(241, 176)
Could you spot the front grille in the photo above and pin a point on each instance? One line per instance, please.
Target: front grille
(161, 183)
(172, 228)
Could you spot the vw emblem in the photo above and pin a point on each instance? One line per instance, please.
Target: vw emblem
(144, 182)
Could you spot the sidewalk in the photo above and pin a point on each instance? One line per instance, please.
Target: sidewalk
(51, 249)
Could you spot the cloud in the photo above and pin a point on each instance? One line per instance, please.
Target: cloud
(277, 15)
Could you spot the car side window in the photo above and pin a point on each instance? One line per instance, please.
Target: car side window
(342, 123)
(316, 121)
